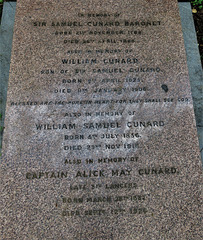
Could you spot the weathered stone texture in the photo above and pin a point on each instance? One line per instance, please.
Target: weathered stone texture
(100, 136)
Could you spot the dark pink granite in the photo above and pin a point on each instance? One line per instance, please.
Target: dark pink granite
(100, 139)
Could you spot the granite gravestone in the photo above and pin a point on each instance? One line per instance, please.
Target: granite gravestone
(100, 139)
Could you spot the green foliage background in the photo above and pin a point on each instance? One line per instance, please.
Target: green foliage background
(197, 3)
